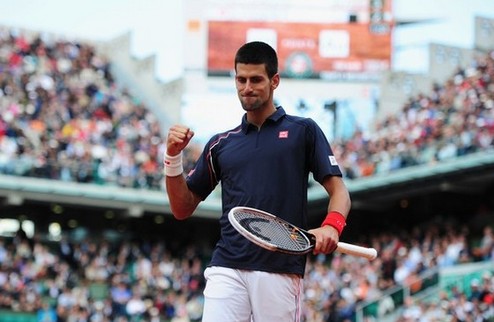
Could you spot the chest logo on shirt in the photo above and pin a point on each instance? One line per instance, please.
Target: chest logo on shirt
(283, 135)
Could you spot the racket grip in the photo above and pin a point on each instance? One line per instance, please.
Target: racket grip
(350, 249)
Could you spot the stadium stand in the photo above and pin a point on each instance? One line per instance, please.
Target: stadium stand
(63, 118)
(136, 280)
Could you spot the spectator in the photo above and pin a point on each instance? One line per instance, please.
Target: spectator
(485, 250)
(46, 313)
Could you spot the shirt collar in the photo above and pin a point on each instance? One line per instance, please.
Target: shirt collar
(275, 117)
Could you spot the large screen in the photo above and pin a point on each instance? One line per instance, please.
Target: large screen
(306, 50)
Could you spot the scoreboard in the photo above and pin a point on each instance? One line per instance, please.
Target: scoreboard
(330, 39)
(305, 50)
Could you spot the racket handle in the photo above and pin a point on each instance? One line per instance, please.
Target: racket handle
(350, 249)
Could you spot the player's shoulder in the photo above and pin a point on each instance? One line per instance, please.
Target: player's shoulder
(301, 120)
(297, 118)
(225, 134)
(235, 130)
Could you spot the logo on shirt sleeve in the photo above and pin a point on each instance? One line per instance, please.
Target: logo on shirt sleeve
(283, 135)
(332, 160)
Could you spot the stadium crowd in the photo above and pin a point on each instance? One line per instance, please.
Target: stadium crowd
(97, 280)
(63, 117)
(455, 119)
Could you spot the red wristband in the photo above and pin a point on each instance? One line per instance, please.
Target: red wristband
(336, 220)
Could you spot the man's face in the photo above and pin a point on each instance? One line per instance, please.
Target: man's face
(254, 88)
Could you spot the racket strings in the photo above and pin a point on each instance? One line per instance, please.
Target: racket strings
(273, 231)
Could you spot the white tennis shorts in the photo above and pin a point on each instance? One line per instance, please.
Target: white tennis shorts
(233, 295)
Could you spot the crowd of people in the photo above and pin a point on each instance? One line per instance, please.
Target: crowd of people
(147, 280)
(63, 117)
(455, 119)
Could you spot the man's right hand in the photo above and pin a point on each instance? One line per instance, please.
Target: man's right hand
(178, 138)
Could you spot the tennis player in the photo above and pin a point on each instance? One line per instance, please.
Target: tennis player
(262, 163)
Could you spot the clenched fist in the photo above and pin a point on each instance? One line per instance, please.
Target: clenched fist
(178, 138)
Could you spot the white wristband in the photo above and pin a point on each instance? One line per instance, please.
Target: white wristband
(173, 165)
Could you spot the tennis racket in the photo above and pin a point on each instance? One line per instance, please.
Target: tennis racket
(276, 234)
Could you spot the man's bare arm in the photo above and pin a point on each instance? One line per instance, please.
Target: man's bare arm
(183, 202)
(327, 237)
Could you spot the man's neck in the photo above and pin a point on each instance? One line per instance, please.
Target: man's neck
(258, 117)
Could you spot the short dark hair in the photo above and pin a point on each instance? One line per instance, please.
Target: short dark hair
(258, 52)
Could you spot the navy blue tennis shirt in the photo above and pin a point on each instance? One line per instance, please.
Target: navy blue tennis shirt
(267, 169)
